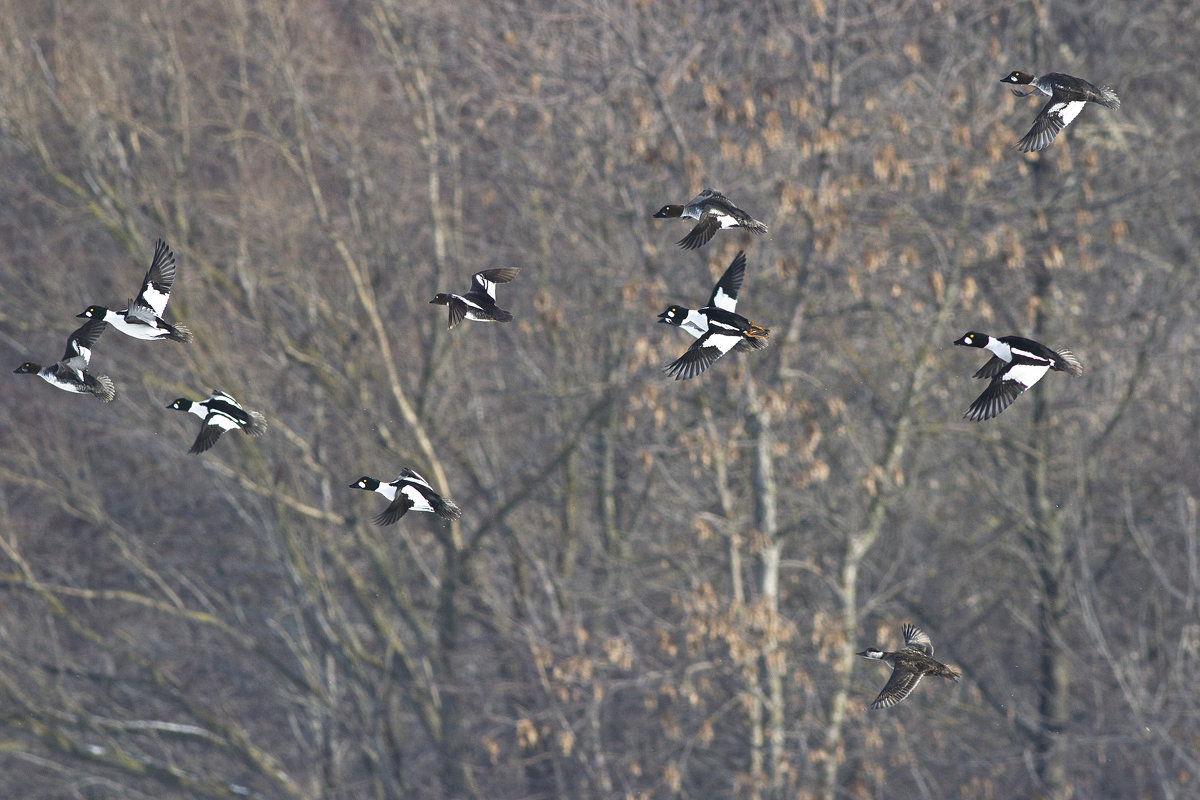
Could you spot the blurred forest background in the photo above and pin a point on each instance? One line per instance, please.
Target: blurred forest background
(657, 588)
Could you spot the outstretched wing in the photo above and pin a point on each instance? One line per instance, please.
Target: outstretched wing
(995, 398)
(724, 294)
(701, 355)
(80, 343)
(486, 280)
(209, 433)
(156, 288)
(1055, 116)
(705, 229)
(395, 510)
(917, 639)
(898, 687)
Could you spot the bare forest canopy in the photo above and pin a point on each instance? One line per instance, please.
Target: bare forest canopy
(656, 588)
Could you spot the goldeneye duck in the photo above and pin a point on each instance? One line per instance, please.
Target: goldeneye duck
(71, 373)
(479, 304)
(1016, 364)
(724, 296)
(409, 492)
(717, 327)
(220, 413)
(909, 665)
(713, 212)
(143, 319)
(1068, 95)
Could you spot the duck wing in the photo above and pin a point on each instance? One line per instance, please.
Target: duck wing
(917, 639)
(80, 344)
(486, 280)
(156, 288)
(704, 230)
(1054, 116)
(395, 510)
(724, 294)
(703, 352)
(898, 687)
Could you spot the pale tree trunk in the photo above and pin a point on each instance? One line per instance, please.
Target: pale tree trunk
(883, 479)
(767, 736)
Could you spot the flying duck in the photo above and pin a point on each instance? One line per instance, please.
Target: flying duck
(409, 492)
(724, 296)
(220, 413)
(143, 319)
(712, 212)
(909, 665)
(70, 374)
(1016, 364)
(479, 304)
(717, 327)
(1068, 95)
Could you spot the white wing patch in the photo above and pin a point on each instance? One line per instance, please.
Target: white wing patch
(1026, 374)
(416, 497)
(721, 299)
(1067, 112)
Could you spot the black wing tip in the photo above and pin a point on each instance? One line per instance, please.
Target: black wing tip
(682, 370)
(699, 235)
(974, 414)
(208, 436)
(457, 312)
(500, 274)
(387, 517)
(689, 365)
(1031, 144)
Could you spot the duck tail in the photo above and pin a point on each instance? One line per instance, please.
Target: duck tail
(761, 227)
(1070, 363)
(1108, 98)
(104, 389)
(257, 425)
(754, 342)
(446, 509)
(180, 333)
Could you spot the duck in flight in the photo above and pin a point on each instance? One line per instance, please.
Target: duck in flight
(478, 304)
(713, 212)
(909, 665)
(409, 492)
(1016, 364)
(1068, 95)
(143, 318)
(70, 374)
